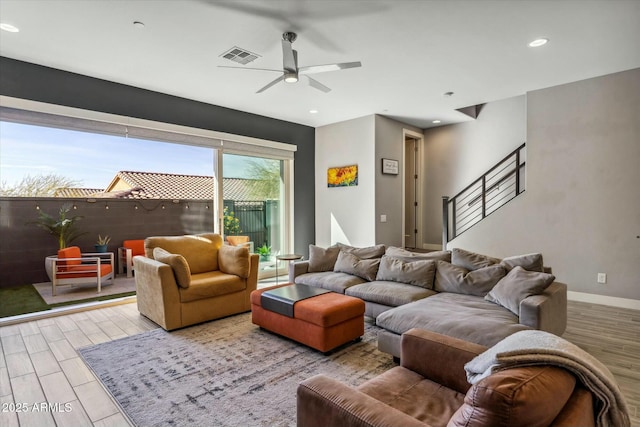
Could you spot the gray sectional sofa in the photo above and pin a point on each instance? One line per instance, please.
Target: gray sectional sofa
(458, 293)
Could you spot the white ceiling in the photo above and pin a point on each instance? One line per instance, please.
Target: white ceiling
(411, 51)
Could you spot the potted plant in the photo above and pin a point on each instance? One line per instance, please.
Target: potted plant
(265, 252)
(63, 227)
(101, 243)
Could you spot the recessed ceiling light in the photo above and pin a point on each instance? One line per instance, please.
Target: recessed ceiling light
(436, 121)
(313, 111)
(138, 24)
(448, 94)
(8, 27)
(538, 42)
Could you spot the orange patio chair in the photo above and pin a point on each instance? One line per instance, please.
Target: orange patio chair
(240, 241)
(129, 249)
(73, 267)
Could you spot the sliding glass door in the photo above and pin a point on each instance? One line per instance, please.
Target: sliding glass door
(255, 206)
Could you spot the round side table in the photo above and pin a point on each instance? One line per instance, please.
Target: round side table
(285, 257)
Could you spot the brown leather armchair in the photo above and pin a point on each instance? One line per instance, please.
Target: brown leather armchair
(430, 388)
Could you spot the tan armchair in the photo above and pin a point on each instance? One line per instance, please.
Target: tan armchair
(184, 280)
(430, 389)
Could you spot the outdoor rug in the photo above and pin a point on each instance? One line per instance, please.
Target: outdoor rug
(79, 292)
(226, 372)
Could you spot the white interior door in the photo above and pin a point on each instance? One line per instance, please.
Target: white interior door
(410, 196)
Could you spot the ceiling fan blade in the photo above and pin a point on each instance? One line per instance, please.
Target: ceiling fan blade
(279, 79)
(314, 69)
(249, 68)
(316, 84)
(289, 62)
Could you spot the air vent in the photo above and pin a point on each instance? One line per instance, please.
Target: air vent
(239, 55)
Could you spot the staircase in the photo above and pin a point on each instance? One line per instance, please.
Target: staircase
(500, 184)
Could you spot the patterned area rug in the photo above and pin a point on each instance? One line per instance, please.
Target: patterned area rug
(226, 372)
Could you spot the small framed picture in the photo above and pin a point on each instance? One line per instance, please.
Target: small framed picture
(390, 166)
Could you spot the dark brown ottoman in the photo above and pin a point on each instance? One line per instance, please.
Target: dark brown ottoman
(323, 322)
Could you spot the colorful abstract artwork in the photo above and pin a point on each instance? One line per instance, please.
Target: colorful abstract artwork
(344, 176)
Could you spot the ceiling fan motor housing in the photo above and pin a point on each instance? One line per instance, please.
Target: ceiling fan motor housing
(289, 36)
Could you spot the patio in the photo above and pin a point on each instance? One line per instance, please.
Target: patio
(69, 293)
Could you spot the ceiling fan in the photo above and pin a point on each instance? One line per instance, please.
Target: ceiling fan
(290, 71)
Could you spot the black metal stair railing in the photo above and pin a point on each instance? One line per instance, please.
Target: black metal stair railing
(485, 195)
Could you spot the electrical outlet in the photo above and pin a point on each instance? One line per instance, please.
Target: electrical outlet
(602, 278)
(383, 218)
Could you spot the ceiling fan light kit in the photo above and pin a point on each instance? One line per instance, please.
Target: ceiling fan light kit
(291, 77)
(290, 71)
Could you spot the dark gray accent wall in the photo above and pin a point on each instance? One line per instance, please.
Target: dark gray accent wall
(34, 82)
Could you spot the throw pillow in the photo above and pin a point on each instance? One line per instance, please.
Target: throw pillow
(178, 264)
(471, 260)
(321, 259)
(419, 272)
(406, 255)
(364, 253)
(234, 260)
(459, 280)
(351, 264)
(531, 262)
(516, 286)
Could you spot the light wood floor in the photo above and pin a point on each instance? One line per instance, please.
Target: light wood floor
(39, 362)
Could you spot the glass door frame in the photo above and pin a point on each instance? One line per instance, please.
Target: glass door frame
(286, 196)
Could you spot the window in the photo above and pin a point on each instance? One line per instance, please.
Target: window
(129, 178)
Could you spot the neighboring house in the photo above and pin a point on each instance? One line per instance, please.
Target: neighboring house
(76, 192)
(156, 185)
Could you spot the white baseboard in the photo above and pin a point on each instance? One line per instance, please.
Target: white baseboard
(432, 246)
(633, 304)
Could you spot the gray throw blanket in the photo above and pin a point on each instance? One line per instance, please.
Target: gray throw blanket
(529, 348)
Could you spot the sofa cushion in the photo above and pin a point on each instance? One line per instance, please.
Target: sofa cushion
(136, 246)
(336, 282)
(368, 252)
(234, 260)
(466, 317)
(390, 294)
(529, 396)
(199, 250)
(351, 264)
(69, 252)
(211, 284)
(459, 280)
(322, 259)
(406, 255)
(409, 392)
(417, 271)
(517, 285)
(177, 262)
(471, 260)
(531, 262)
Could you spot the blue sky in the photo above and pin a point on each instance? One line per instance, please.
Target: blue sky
(93, 159)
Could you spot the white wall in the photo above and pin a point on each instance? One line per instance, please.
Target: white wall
(456, 155)
(346, 214)
(581, 208)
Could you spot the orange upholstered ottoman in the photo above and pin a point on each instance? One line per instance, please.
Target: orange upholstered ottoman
(323, 322)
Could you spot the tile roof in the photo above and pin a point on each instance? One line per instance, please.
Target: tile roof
(152, 185)
(77, 192)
